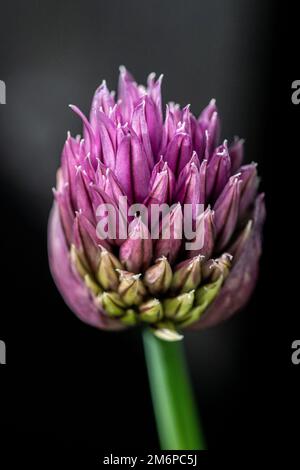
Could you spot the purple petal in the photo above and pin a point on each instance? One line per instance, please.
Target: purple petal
(104, 100)
(226, 212)
(66, 213)
(136, 251)
(218, 172)
(128, 93)
(242, 278)
(89, 240)
(132, 169)
(170, 246)
(93, 142)
(210, 125)
(70, 285)
(236, 152)
(154, 92)
(188, 188)
(249, 187)
(179, 151)
(83, 198)
(140, 126)
(206, 231)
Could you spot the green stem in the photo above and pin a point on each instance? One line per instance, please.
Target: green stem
(172, 396)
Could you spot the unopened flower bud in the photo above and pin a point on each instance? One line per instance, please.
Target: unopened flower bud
(151, 311)
(203, 297)
(206, 294)
(237, 247)
(112, 303)
(131, 288)
(176, 308)
(158, 277)
(92, 285)
(107, 275)
(78, 262)
(214, 268)
(187, 275)
(129, 318)
(167, 332)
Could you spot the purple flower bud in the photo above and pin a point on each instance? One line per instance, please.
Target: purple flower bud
(136, 251)
(236, 152)
(226, 212)
(83, 198)
(129, 94)
(190, 189)
(179, 151)
(162, 166)
(131, 154)
(132, 169)
(161, 189)
(170, 246)
(210, 125)
(205, 233)
(240, 283)
(154, 92)
(85, 239)
(249, 186)
(218, 172)
(103, 100)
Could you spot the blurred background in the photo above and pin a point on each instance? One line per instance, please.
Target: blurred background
(66, 383)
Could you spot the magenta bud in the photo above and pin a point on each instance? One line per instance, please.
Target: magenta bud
(136, 251)
(236, 152)
(205, 233)
(218, 172)
(171, 230)
(226, 212)
(179, 151)
(158, 277)
(249, 186)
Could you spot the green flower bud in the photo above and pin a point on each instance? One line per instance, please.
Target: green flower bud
(92, 285)
(203, 297)
(166, 332)
(158, 277)
(151, 311)
(129, 318)
(176, 308)
(112, 304)
(206, 294)
(106, 274)
(78, 261)
(131, 288)
(187, 275)
(214, 268)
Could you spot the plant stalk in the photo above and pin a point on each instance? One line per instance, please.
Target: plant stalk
(173, 401)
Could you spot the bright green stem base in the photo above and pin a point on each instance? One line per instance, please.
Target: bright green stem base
(173, 401)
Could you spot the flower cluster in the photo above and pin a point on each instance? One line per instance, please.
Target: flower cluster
(129, 148)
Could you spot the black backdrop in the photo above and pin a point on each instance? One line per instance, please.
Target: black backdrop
(65, 384)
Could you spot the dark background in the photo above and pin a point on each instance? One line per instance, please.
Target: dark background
(68, 386)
